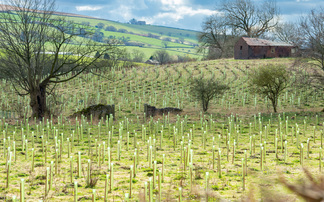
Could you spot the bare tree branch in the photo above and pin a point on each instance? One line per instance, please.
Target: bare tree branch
(40, 48)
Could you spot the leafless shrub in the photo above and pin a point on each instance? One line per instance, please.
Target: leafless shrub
(311, 191)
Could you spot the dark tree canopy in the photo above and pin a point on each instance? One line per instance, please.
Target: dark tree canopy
(269, 81)
(39, 49)
(162, 56)
(204, 90)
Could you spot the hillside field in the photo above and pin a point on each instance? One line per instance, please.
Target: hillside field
(197, 156)
(139, 34)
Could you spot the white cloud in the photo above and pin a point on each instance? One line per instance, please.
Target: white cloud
(88, 8)
(294, 18)
(178, 14)
(124, 11)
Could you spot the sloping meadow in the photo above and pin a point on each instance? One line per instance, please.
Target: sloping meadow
(238, 147)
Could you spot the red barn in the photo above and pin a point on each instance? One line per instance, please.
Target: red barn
(252, 48)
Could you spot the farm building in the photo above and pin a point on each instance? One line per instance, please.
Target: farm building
(152, 62)
(252, 48)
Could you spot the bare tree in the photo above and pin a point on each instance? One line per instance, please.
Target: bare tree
(216, 37)
(254, 20)
(312, 27)
(40, 49)
(288, 32)
(162, 56)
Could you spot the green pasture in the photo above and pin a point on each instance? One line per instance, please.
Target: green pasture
(203, 156)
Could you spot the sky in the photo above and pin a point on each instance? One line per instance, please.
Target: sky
(184, 14)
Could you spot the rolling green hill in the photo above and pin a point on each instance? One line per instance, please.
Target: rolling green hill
(136, 38)
(145, 38)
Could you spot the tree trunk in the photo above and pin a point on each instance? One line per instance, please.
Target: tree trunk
(38, 101)
(205, 105)
(274, 105)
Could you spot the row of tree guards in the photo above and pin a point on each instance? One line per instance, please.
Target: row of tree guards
(109, 145)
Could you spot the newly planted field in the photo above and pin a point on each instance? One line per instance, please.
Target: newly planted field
(238, 147)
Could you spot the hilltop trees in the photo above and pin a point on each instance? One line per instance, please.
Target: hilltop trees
(216, 38)
(40, 50)
(237, 18)
(248, 17)
(312, 28)
(289, 32)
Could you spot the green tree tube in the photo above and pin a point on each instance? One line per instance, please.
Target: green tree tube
(127, 141)
(118, 150)
(127, 197)
(8, 173)
(130, 181)
(286, 152)
(243, 174)
(89, 172)
(22, 190)
(51, 175)
(180, 194)
(75, 191)
(56, 161)
(151, 189)
(79, 164)
(159, 184)
(111, 177)
(154, 174)
(314, 133)
(276, 148)
(322, 138)
(163, 161)
(308, 147)
(71, 169)
(26, 149)
(213, 156)
(134, 164)
(261, 157)
(47, 181)
(109, 157)
(145, 192)
(150, 160)
(301, 154)
(191, 175)
(219, 169)
(33, 159)
(106, 188)
(93, 195)
(233, 159)
(245, 162)
(320, 159)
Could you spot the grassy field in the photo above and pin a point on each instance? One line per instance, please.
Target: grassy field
(202, 155)
(138, 33)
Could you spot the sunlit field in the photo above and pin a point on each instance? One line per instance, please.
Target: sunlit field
(239, 147)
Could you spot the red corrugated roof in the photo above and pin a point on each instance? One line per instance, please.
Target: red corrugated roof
(263, 42)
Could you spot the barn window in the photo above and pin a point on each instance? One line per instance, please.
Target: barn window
(293, 50)
(272, 50)
(241, 47)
